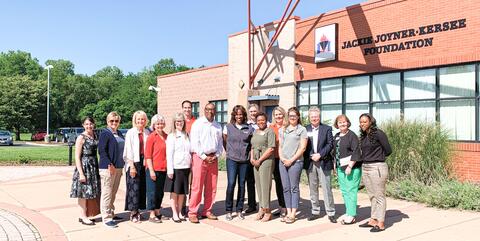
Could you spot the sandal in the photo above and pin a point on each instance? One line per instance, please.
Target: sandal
(154, 220)
(348, 223)
(289, 220)
(135, 218)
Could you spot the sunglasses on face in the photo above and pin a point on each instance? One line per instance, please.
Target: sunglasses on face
(114, 121)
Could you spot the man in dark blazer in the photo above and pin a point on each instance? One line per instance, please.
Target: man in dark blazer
(319, 164)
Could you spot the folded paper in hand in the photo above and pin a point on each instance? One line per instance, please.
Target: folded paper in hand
(344, 161)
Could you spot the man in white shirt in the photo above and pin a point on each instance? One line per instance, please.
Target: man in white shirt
(207, 144)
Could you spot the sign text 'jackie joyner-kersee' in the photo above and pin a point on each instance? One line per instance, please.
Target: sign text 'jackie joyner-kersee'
(401, 34)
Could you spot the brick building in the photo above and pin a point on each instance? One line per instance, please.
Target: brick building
(411, 59)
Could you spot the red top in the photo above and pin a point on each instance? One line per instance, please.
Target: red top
(140, 139)
(275, 129)
(188, 124)
(156, 149)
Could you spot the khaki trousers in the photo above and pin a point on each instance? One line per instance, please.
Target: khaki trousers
(263, 181)
(110, 185)
(375, 177)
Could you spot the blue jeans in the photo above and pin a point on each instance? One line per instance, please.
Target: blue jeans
(155, 189)
(235, 171)
(290, 181)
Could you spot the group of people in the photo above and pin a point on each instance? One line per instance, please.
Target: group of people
(256, 150)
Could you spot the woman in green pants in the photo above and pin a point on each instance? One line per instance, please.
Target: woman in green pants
(347, 155)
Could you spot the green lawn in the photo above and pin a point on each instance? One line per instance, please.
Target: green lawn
(12, 155)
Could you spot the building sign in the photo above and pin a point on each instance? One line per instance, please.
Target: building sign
(326, 43)
(406, 36)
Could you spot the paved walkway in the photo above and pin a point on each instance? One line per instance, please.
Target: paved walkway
(35, 205)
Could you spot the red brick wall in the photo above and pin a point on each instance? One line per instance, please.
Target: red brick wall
(378, 17)
(466, 162)
(198, 85)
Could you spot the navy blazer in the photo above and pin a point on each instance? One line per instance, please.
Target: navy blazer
(324, 147)
(108, 149)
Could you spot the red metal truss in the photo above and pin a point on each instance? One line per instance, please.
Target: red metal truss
(281, 24)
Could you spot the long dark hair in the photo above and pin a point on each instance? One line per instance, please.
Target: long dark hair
(373, 127)
(234, 112)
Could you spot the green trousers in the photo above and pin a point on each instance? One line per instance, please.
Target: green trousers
(349, 187)
(263, 182)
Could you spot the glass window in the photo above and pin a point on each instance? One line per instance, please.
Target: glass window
(457, 81)
(357, 89)
(221, 115)
(303, 114)
(386, 111)
(329, 113)
(419, 111)
(419, 84)
(459, 117)
(331, 91)
(314, 93)
(195, 109)
(386, 87)
(303, 93)
(353, 112)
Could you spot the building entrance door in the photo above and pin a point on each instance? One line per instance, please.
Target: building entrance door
(269, 111)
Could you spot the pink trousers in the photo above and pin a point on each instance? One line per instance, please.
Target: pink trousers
(204, 180)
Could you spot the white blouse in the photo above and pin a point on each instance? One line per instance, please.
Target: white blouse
(132, 145)
(179, 150)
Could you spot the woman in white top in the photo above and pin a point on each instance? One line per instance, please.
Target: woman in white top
(133, 154)
(179, 159)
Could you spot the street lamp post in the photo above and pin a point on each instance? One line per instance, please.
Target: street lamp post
(47, 137)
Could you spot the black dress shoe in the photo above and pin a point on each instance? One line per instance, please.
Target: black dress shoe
(365, 225)
(251, 210)
(313, 217)
(376, 229)
(117, 218)
(332, 219)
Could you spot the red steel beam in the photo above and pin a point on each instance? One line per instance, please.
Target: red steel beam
(249, 46)
(278, 30)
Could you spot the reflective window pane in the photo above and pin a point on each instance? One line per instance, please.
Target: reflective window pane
(357, 89)
(329, 113)
(419, 84)
(303, 93)
(457, 81)
(314, 93)
(420, 111)
(331, 91)
(386, 111)
(459, 117)
(386, 87)
(353, 112)
(303, 113)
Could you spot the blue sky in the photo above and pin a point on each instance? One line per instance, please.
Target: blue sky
(136, 34)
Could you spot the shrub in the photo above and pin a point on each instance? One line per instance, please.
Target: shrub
(421, 151)
(444, 194)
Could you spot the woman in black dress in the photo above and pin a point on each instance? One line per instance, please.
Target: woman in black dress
(86, 178)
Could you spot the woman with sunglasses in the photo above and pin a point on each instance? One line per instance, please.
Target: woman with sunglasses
(110, 149)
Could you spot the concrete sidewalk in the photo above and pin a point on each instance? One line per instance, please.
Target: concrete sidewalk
(40, 204)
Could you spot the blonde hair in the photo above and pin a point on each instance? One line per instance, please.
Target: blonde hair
(137, 113)
(114, 114)
(177, 117)
(155, 119)
(281, 110)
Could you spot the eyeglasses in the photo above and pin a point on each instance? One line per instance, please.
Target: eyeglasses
(292, 116)
(114, 121)
(209, 109)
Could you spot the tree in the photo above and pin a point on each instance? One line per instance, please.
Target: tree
(14, 63)
(20, 99)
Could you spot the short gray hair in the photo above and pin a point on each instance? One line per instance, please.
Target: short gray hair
(314, 109)
(155, 119)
